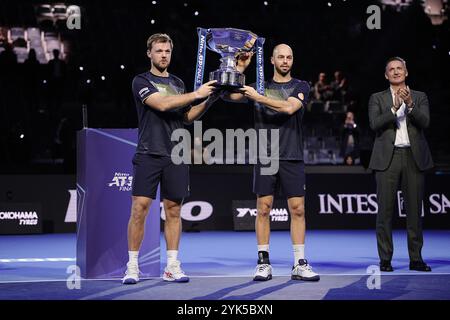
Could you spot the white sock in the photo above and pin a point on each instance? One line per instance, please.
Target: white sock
(133, 256)
(299, 252)
(171, 256)
(263, 247)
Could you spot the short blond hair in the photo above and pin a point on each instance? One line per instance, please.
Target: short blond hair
(159, 37)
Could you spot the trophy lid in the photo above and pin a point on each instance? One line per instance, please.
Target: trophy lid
(230, 40)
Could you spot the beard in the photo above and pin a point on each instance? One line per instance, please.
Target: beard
(160, 66)
(283, 72)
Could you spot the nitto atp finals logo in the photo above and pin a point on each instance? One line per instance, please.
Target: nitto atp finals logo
(123, 181)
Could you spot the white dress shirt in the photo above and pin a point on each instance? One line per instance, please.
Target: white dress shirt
(401, 134)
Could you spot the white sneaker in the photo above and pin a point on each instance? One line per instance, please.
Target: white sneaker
(174, 273)
(263, 272)
(303, 271)
(132, 274)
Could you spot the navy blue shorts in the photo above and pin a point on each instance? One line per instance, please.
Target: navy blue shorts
(150, 170)
(289, 180)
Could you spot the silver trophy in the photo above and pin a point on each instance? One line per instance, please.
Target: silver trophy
(229, 43)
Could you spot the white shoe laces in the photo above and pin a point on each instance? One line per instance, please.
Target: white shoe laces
(175, 267)
(262, 267)
(305, 267)
(132, 268)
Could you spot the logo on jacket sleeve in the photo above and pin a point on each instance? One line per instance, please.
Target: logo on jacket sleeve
(143, 91)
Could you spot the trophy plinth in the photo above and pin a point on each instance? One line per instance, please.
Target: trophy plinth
(227, 75)
(227, 79)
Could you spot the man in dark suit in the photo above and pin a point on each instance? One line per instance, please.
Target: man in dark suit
(400, 153)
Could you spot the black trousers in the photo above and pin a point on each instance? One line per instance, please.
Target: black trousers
(404, 170)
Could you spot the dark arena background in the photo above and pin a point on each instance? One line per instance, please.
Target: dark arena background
(68, 133)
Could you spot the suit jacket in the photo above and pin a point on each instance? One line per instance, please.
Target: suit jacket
(383, 122)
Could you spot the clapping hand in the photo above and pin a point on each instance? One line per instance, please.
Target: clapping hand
(405, 95)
